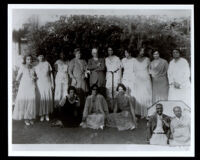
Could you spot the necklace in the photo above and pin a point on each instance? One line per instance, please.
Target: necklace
(71, 99)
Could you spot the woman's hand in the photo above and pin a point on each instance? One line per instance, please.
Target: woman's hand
(74, 82)
(176, 85)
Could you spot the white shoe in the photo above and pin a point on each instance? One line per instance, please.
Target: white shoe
(132, 128)
(31, 122)
(42, 118)
(47, 118)
(27, 123)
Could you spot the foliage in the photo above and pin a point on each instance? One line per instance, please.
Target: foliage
(86, 32)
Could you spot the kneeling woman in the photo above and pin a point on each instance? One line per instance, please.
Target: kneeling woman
(95, 110)
(123, 117)
(68, 109)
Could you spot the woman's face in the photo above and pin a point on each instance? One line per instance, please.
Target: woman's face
(120, 90)
(71, 93)
(127, 54)
(94, 91)
(62, 55)
(141, 53)
(176, 54)
(110, 51)
(178, 112)
(41, 58)
(78, 54)
(156, 55)
(94, 52)
(28, 60)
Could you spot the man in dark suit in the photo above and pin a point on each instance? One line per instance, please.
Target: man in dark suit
(158, 127)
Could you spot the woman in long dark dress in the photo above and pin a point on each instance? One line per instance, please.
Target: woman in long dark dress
(68, 110)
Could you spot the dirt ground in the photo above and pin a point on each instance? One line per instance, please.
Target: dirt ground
(43, 133)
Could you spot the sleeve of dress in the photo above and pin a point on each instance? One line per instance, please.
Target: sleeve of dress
(148, 64)
(185, 73)
(86, 107)
(71, 68)
(20, 72)
(56, 65)
(49, 66)
(105, 106)
(85, 65)
(166, 66)
(149, 131)
(118, 63)
(169, 73)
(51, 74)
(63, 101)
(172, 128)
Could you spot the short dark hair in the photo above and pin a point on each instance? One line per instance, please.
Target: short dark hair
(77, 50)
(41, 54)
(177, 49)
(138, 51)
(177, 107)
(94, 86)
(24, 58)
(121, 85)
(71, 88)
(159, 104)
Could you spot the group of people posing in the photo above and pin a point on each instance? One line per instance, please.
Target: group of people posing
(118, 90)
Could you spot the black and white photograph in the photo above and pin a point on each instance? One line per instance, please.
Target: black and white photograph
(100, 80)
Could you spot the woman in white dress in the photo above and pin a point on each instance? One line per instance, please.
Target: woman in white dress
(45, 86)
(142, 84)
(179, 79)
(61, 79)
(25, 104)
(128, 75)
(112, 76)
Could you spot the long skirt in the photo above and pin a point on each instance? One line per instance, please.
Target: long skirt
(121, 121)
(181, 137)
(158, 139)
(94, 121)
(142, 94)
(128, 82)
(61, 86)
(160, 88)
(25, 104)
(182, 94)
(45, 98)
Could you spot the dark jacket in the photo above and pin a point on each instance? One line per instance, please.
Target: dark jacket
(97, 75)
(152, 123)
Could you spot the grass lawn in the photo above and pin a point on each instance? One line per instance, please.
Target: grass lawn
(43, 133)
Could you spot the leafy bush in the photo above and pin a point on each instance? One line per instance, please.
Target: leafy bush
(86, 32)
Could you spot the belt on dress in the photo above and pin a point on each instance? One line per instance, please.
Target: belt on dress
(158, 133)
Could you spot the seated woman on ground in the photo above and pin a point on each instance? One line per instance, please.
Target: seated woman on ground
(68, 110)
(123, 117)
(95, 110)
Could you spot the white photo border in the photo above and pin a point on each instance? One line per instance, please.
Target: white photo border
(95, 150)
